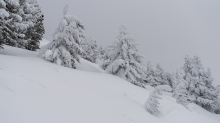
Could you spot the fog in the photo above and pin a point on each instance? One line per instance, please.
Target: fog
(166, 29)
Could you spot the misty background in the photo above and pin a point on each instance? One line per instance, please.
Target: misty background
(166, 29)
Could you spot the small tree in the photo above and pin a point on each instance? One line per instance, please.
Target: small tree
(180, 89)
(106, 57)
(65, 48)
(90, 49)
(125, 61)
(152, 103)
(101, 52)
(153, 75)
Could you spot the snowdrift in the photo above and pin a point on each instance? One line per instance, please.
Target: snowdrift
(33, 90)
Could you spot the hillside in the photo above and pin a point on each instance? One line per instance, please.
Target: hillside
(33, 90)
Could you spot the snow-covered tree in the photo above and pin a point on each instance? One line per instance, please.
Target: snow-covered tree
(217, 101)
(125, 61)
(31, 11)
(153, 75)
(101, 52)
(11, 24)
(201, 90)
(152, 103)
(106, 57)
(180, 88)
(90, 49)
(3, 17)
(65, 47)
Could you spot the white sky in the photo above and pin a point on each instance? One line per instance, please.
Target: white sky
(166, 29)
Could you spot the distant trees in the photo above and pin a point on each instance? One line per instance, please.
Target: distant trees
(152, 103)
(153, 77)
(66, 45)
(156, 76)
(90, 48)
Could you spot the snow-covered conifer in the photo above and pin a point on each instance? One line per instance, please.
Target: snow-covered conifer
(11, 24)
(217, 101)
(3, 17)
(152, 103)
(65, 47)
(153, 75)
(31, 11)
(201, 90)
(166, 77)
(106, 57)
(180, 88)
(101, 52)
(125, 61)
(90, 49)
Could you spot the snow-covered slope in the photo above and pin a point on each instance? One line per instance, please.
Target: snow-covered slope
(33, 90)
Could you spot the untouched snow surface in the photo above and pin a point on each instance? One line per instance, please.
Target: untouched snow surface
(33, 90)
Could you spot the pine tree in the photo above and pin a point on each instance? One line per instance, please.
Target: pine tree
(34, 34)
(65, 47)
(90, 49)
(217, 101)
(201, 90)
(11, 23)
(166, 77)
(3, 17)
(106, 57)
(125, 61)
(152, 103)
(153, 75)
(101, 52)
(180, 89)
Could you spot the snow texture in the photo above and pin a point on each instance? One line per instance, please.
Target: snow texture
(36, 91)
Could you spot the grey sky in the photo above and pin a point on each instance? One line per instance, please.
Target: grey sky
(166, 29)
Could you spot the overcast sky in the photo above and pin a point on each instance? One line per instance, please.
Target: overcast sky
(166, 29)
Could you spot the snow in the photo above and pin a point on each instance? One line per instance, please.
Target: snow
(3, 13)
(33, 90)
(2, 3)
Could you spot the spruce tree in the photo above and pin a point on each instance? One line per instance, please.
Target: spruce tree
(200, 88)
(125, 61)
(153, 75)
(12, 24)
(65, 48)
(34, 33)
(3, 17)
(101, 52)
(180, 88)
(90, 49)
(106, 57)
